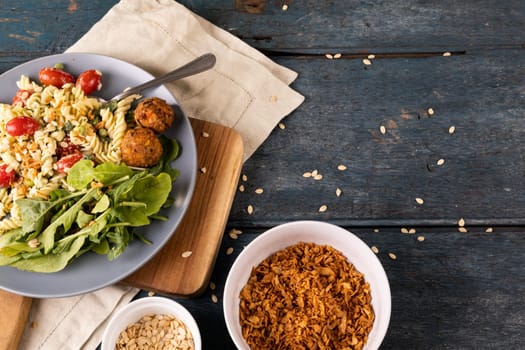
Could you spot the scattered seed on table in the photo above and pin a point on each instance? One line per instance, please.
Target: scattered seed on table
(371, 56)
(419, 200)
(337, 56)
(241, 188)
(462, 229)
(203, 170)
(229, 251)
(341, 167)
(249, 209)
(186, 254)
(374, 249)
(420, 238)
(205, 134)
(376, 230)
(315, 172)
(392, 256)
(338, 192)
(259, 190)
(430, 111)
(282, 126)
(212, 286)
(451, 129)
(285, 7)
(318, 177)
(233, 234)
(244, 177)
(214, 298)
(489, 230)
(367, 62)
(412, 231)
(404, 230)
(447, 54)
(151, 293)
(307, 174)
(323, 208)
(382, 129)
(441, 161)
(329, 56)
(461, 222)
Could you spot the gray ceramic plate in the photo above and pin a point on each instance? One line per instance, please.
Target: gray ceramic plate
(91, 271)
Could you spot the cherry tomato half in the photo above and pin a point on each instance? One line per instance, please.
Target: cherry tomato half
(7, 177)
(21, 97)
(89, 81)
(65, 163)
(54, 76)
(19, 126)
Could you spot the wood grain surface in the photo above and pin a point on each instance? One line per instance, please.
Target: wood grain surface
(184, 265)
(14, 310)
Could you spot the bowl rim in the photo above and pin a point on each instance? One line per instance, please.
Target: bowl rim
(169, 305)
(333, 235)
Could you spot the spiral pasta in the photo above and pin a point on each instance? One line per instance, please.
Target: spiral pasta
(67, 117)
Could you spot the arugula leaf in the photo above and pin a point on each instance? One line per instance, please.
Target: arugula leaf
(81, 174)
(47, 237)
(50, 262)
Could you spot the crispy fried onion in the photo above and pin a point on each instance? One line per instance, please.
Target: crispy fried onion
(306, 296)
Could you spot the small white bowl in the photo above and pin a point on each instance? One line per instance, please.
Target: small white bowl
(135, 310)
(283, 236)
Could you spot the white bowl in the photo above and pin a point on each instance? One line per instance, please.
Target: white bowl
(282, 236)
(135, 310)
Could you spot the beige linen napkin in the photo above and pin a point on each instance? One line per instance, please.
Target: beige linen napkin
(245, 90)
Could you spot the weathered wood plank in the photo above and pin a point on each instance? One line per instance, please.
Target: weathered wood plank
(339, 123)
(371, 26)
(451, 291)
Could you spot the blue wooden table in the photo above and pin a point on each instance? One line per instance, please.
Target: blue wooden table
(447, 83)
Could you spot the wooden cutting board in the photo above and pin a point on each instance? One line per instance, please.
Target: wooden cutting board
(219, 161)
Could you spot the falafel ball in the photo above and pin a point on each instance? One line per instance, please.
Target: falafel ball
(141, 148)
(154, 113)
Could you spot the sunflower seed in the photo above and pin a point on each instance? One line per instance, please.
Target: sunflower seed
(430, 111)
(318, 177)
(367, 62)
(249, 209)
(462, 229)
(214, 298)
(338, 192)
(489, 230)
(282, 126)
(447, 54)
(392, 256)
(404, 230)
(419, 200)
(461, 222)
(229, 251)
(374, 249)
(244, 177)
(451, 129)
(241, 188)
(420, 238)
(329, 56)
(341, 167)
(186, 254)
(323, 208)
(440, 161)
(371, 56)
(337, 56)
(412, 231)
(307, 174)
(382, 129)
